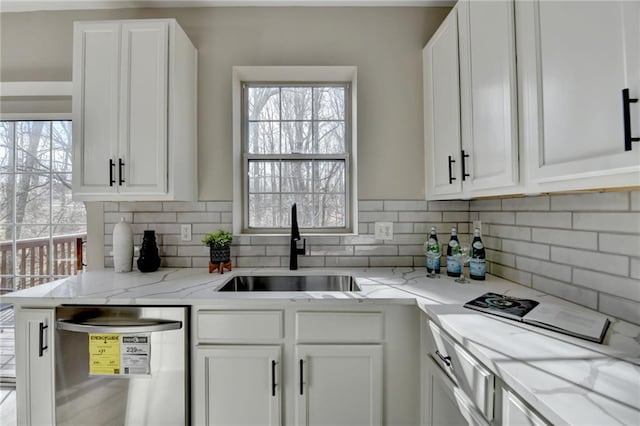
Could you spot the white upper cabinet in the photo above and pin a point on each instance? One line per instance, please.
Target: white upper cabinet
(470, 103)
(134, 111)
(442, 109)
(488, 93)
(574, 60)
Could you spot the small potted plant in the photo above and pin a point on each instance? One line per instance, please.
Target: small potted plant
(218, 242)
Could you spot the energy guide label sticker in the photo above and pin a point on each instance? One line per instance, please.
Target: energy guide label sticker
(136, 351)
(104, 354)
(119, 355)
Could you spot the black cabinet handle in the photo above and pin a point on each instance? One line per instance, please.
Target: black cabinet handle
(120, 171)
(41, 346)
(464, 169)
(445, 359)
(451, 178)
(273, 378)
(301, 378)
(111, 166)
(626, 115)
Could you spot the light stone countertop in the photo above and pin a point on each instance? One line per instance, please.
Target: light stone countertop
(568, 380)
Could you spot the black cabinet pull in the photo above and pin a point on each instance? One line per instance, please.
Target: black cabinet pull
(451, 178)
(626, 115)
(445, 359)
(41, 347)
(111, 166)
(120, 171)
(464, 169)
(301, 379)
(273, 378)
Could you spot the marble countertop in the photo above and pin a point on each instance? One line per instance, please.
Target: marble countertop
(568, 380)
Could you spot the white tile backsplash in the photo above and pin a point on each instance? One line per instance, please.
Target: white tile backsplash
(581, 247)
(506, 218)
(607, 201)
(547, 269)
(620, 308)
(539, 251)
(576, 294)
(604, 283)
(592, 241)
(593, 260)
(603, 222)
(620, 243)
(549, 220)
(576, 239)
(526, 203)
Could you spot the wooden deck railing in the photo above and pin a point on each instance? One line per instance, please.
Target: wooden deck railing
(32, 260)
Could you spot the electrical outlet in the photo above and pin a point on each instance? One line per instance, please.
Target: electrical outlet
(384, 230)
(185, 232)
(477, 224)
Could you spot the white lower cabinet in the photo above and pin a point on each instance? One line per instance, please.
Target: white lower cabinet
(444, 402)
(339, 385)
(516, 413)
(280, 365)
(239, 385)
(35, 371)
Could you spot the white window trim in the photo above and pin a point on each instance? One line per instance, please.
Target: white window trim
(288, 74)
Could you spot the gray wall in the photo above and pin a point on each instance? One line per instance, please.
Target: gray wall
(385, 44)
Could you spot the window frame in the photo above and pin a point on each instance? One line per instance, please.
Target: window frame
(293, 77)
(50, 117)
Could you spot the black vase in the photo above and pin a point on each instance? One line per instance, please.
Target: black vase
(149, 259)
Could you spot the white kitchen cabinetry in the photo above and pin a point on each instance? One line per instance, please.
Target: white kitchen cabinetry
(488, 97)
(471, 132)
(456, 388)
(574, 60)
(517, 413)
(445, 403)
(442, 110)
(239, 385)
(134, 111)
(35, 372)
(285, 365)
(339, 385)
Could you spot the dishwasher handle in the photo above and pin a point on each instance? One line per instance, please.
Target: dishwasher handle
(95, 326)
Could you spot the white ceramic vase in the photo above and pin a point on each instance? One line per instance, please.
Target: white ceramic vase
(122, 246)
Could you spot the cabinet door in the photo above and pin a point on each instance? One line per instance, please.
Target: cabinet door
(142, 158)
(238, 385)
(442, 109)
(516, 413)
(575, 58)
(34, 366)
(96, 70)
(444, 403)
(488, 95)
(338, 385)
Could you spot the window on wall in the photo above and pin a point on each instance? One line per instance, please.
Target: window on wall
(296, 149)
(39, 222)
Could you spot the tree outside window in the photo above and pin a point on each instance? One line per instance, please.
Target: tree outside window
(296, 151)
(38, 219)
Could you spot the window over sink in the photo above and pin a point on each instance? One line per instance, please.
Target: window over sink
(294, 143)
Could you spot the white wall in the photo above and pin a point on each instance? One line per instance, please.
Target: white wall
(385, 44)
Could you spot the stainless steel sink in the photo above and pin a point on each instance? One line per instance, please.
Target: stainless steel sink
(343, 283)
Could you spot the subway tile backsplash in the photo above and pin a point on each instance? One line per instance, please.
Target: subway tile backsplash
(412, 221)
(581, 247)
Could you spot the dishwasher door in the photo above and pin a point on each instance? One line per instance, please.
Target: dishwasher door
(158, 398)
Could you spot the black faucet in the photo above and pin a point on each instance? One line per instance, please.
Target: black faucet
(295, 237)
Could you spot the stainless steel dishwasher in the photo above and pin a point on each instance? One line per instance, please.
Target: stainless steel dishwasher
(122, 365)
